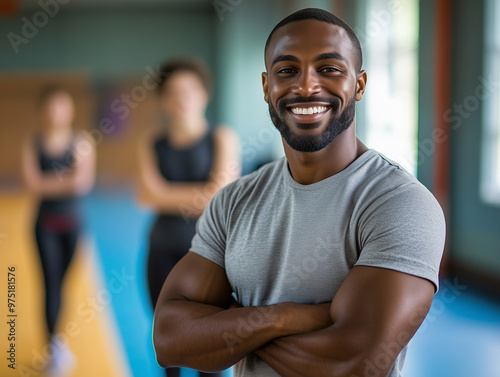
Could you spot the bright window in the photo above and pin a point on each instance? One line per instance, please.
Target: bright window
(390, 46)
(490, 180)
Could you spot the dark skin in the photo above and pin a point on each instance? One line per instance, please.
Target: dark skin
(305, 73)
(373, 314)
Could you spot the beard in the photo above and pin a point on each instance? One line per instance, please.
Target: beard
(336, 124)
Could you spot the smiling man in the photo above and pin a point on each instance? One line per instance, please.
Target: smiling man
(323, 263)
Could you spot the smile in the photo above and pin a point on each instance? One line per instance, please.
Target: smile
(308, 110)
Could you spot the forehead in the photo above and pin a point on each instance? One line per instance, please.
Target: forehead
(309, 38)
(59, 96)
(182, 75)
(182, 79)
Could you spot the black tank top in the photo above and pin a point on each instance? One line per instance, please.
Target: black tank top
(62, 167)
(186, 165)
(173, 233)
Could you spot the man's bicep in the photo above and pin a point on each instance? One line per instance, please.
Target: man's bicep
(381, 307)
(197, 279)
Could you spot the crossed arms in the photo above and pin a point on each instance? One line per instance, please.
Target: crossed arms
(371, 318)
(60, 181)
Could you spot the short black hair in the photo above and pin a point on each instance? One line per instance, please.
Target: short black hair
(192, 65)
(324, 16)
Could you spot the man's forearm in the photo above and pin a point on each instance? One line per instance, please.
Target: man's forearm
(209, 338)
(318, 353)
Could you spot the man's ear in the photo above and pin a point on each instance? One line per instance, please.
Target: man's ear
(265, 86)
(360, 85)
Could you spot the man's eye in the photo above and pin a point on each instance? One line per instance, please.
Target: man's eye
(329, 69)
(286, 71)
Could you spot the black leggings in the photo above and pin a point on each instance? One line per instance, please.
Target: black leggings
(169, 241)
(56, 251)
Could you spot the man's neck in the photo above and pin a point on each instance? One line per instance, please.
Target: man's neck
(311, 167)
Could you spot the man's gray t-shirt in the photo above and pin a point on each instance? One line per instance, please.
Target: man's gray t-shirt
(281, 241)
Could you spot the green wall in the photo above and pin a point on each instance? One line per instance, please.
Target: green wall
(241, 36)
(474, 224)
(425, 89)
(110, 41)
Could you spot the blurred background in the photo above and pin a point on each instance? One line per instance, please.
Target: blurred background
(432, 104)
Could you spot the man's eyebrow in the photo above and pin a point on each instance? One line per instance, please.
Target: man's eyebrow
(281, 58)
(330, 55)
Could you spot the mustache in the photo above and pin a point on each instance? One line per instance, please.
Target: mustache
(334, 102)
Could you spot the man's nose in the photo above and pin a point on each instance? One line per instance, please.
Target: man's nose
(307, 83)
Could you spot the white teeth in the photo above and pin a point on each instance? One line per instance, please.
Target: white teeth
(309, 110)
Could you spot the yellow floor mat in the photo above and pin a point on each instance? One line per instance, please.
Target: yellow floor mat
(85, 323)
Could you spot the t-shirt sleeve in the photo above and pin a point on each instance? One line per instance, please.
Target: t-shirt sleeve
(210, 238)
(404, 230)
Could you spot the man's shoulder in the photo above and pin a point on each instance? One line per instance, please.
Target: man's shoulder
(388, 182)
(379, 169)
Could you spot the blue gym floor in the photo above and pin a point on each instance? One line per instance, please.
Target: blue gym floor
(460, 337)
